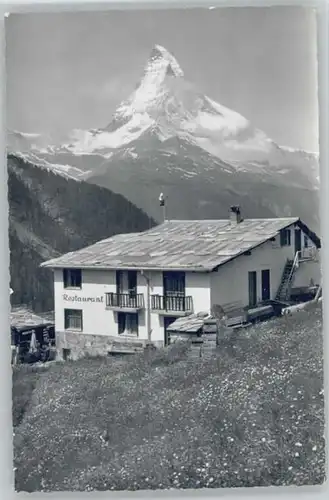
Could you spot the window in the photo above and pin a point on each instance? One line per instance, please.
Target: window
(72, 278)
(174, 284)
(128, 323)
(73, 319)
(126, 282)
(285, 238)
(305, 241)
(132, 283)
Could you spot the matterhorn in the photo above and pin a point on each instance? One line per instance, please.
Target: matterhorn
(168, 136)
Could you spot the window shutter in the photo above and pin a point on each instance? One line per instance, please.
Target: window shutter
(65, 277)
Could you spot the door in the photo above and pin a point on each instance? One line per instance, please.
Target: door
(298, 240)
(266, 285)
(132, 283)
(174, 284)
(167, 320)
(174, 291)
(119, 282)
(252, 278)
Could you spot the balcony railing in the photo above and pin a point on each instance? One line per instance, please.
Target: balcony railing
(125, 300)
(174, 304)
(310, 253)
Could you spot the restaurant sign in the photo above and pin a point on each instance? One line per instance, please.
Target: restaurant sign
(77, 298)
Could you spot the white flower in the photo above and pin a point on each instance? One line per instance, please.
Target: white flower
(298, 444)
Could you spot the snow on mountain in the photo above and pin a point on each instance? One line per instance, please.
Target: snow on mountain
(169, 136)
(167, 106)
(164, 105)
(152, 90)
(90, 142)
(24, 141)
(60, 169)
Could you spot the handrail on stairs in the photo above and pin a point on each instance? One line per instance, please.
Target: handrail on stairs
(292, 271)
(309, 253)
(318, 293)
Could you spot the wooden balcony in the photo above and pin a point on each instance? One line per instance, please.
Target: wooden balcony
(128, 302)
(171, 305)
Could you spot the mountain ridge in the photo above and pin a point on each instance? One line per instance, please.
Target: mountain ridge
(169, 137)
(152, 91)
(50, 215)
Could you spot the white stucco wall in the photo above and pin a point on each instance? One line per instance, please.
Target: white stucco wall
(98, 320)
(198, 287)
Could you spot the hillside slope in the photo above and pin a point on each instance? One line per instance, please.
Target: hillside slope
(201, 187)
(51, 215)
(252, 415)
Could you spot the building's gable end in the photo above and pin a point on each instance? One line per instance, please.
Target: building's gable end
(260, 243)
(311, 234)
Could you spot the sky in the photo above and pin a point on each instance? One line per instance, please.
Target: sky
(71, 70)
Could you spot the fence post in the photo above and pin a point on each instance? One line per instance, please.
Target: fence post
(220, 329)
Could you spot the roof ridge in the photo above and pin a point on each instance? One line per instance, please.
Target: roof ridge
(200, 245)
(223, 220)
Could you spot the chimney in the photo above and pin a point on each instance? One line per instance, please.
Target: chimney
(235, 214)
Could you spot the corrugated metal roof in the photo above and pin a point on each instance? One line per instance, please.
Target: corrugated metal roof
(199, 245)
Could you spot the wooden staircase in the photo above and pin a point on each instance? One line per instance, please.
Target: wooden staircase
(286, 280)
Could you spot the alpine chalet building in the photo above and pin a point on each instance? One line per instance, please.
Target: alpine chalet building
(125, 291)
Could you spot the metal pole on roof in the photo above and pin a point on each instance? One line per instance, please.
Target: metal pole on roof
(162, 200)
(148, 306)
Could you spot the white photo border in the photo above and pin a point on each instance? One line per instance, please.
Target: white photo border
(6, 453)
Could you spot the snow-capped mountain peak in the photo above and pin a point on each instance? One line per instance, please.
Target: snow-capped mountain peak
(161, 56)
(165, 109)
(151, 90)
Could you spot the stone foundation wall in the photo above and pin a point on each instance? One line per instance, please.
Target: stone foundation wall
(81, 344)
